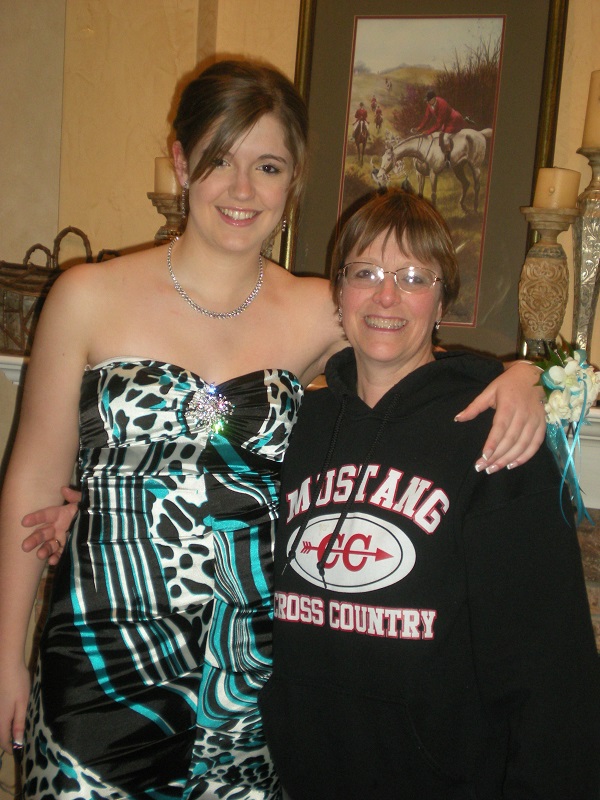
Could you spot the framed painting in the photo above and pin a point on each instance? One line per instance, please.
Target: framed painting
(458, 104)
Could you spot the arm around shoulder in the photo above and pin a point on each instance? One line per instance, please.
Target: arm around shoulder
(519, 425)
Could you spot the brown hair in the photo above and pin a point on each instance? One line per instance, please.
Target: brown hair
(415, 225)
(227, 100)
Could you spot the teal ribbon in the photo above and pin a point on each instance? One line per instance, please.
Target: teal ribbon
(563, 451)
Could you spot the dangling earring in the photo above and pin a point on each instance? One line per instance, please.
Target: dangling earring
(438, 322)
(340, 315)
(284, 225)
(184, 200)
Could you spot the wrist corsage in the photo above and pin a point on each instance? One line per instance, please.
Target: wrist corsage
(571, 387)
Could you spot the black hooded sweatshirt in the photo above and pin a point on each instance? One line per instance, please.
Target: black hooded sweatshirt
(445, 648)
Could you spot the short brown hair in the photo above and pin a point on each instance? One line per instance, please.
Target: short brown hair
(415, 225)
(227, 100)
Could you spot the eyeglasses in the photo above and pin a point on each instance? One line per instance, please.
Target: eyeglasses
(414, 280)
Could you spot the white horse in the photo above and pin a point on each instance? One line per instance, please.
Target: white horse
(469, 147)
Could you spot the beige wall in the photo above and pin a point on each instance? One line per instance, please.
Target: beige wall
(123, 62)
(261, 29)
(32, 38)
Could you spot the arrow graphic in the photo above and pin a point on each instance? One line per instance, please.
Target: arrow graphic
(347, 550)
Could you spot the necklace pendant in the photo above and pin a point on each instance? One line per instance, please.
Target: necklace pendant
(207, 409)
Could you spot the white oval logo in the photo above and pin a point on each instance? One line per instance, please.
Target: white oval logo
(367, 555)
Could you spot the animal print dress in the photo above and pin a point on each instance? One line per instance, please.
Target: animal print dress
(158, 638)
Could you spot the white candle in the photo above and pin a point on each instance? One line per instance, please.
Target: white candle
(165, 180)
(556, 188)
(591, 129)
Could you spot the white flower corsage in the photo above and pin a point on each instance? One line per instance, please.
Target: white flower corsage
(572, 388)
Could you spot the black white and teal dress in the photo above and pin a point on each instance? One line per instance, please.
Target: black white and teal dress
(158, 638)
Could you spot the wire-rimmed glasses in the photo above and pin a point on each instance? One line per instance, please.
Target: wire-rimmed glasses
(410, 279)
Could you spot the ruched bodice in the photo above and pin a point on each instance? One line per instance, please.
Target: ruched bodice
(139, 402)
(162, 608)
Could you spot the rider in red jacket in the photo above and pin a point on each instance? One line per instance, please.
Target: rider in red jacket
(440, 116)
(361, 114)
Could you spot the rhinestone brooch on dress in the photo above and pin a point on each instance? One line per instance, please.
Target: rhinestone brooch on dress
(208, 409)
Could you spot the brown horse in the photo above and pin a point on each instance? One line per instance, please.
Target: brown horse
(360, 135)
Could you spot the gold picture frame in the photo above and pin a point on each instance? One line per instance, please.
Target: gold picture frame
(523, 141)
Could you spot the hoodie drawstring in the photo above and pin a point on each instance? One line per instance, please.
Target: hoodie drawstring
(317, 492)
(349, 502)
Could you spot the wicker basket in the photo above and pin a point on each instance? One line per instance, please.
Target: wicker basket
(23, 288)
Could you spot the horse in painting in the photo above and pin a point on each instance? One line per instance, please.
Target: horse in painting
(468, 152)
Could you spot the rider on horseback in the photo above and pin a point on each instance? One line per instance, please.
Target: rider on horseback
(440, 116)
(361, 131)
(360, 115)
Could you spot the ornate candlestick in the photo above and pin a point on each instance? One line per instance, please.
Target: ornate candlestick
(170, 206)
(544, 284)
(586, 254)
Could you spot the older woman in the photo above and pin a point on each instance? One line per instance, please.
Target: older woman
(432, 634)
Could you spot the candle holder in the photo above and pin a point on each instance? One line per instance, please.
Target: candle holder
(170, 206)
(544, 284)
(586, 254)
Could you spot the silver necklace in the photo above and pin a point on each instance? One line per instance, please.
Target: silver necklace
(205, 311)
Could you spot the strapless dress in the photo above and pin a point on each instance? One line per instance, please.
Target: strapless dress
(158, 637)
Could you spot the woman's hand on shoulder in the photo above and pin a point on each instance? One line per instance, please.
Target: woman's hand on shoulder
(519, 425)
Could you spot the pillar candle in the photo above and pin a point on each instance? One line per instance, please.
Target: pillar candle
(556, 188)
(591, 129)
(165, 180)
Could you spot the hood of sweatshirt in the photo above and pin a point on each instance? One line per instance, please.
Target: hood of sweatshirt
(450, 372)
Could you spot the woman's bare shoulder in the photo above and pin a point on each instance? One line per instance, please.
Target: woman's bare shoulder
(304, 288)
(310, 320)
(105, 276)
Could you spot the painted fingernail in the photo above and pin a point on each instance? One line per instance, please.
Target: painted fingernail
(512, 465)
(491, 469)
(17, 751)
(478, 467)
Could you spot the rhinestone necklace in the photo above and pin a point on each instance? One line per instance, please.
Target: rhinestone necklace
(205, 311)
